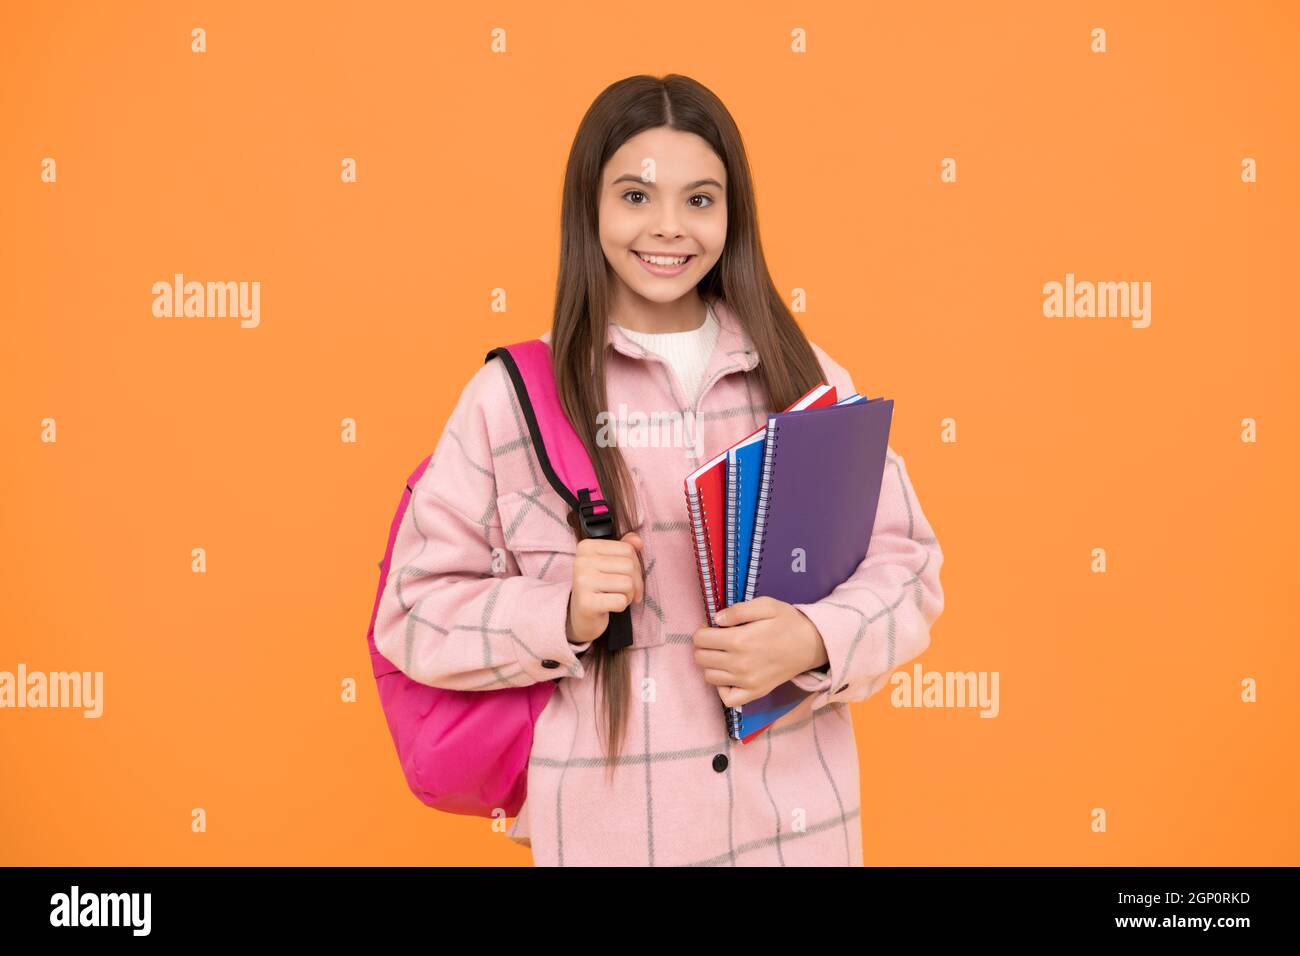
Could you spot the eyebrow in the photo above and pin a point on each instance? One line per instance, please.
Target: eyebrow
(634, 178)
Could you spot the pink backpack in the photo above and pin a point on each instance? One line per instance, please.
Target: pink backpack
(467, 751)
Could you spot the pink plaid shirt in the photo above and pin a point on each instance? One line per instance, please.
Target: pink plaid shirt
(683, 792)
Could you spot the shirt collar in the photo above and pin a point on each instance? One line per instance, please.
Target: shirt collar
(734, 351)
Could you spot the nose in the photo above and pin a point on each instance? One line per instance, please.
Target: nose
(667, 226)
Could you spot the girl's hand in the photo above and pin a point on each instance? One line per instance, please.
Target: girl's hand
(606, 577)
(761, 645)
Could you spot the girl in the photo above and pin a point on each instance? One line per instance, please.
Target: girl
(669, 343)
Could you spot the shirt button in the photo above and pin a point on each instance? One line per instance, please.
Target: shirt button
(550, 663)
(720, 762)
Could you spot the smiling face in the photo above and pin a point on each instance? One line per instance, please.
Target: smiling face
(663, 213)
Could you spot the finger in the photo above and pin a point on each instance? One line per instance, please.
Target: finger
(605, 581)
(736, 696)
(716, 661)
(628, 568)
(614, 564)
(606, 546)
(719, 678)
(755, 609)
(717, 638)
(635, 542)
(602, 602)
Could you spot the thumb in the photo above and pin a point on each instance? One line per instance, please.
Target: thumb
(635, 541)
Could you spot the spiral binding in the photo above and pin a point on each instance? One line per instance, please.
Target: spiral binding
(699, 520)
(733, 500)
(759, 544)
(760, 522)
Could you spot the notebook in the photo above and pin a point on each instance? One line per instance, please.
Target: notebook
(818, 494)
(706, 503)
(744, 469)
(705, 497)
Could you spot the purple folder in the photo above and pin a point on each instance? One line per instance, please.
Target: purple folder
(822, 473)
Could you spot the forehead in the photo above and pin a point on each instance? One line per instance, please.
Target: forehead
(677, 157)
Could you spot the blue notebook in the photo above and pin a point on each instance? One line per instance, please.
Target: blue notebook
(743, 461)
(744, 470)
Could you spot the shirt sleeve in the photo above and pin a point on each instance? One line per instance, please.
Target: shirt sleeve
(449, 615)
(881, 616)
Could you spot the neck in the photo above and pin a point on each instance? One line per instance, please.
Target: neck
(641, 315)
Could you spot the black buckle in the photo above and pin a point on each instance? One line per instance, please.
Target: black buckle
(594, 525)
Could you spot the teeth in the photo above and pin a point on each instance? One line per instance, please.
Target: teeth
(664, 260)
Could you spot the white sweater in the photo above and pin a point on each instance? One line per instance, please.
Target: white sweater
(687, 352)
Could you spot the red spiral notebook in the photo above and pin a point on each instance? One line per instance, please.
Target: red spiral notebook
(706, 502)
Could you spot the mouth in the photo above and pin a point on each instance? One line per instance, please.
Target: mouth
(661, 265)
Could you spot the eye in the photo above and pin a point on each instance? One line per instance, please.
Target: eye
(708, 200)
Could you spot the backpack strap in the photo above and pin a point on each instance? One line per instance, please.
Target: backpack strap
(561, 453)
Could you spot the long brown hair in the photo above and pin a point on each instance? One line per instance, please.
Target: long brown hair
(787, 365)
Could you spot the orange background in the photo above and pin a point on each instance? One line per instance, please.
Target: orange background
(222, 690)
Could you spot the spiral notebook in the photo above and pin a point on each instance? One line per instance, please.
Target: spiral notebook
(817, 500)
(706, 503)
(705, 497)
(744, 470)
